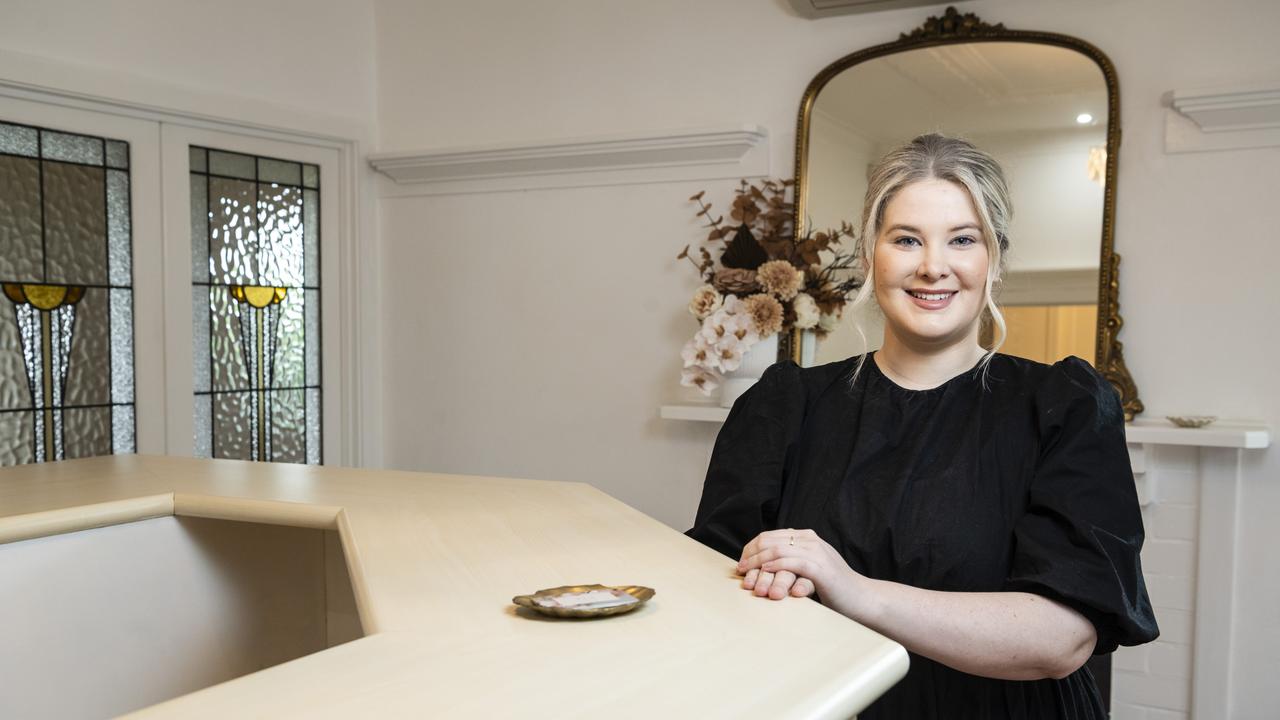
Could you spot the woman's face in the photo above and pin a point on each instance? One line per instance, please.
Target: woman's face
(931, 265)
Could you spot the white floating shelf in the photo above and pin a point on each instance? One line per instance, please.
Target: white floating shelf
(705, 413)
(703, 153)
(1140, 432)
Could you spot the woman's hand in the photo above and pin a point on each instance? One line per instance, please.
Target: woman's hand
(796, 562)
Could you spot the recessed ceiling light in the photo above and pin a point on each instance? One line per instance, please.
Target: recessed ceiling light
(1084, 118)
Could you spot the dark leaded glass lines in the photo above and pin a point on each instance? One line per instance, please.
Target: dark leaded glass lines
(255, 277)
(66, 326)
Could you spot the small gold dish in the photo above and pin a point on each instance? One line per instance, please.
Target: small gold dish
(585, 601)
(1191, 421)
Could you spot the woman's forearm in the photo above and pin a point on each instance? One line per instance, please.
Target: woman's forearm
(1004, 635)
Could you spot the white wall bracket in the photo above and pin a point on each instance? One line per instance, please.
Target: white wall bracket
(700, 154)
(1236, 119)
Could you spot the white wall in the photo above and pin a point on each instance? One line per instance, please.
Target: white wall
(316, 57)
(536, 333)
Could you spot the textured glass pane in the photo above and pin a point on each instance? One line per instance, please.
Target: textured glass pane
(21, 256)
(118, 228)
(313, 337)
(232, 426)
(288, 428)
(87, 432)
(122, 346)
(227, 364)
(75, 220)
(311, 176)
(203, 427)
(200, 335)
(15, 392)
(311, 236)
(18, 140)
(122, 429)
(199, 160)
(233, 241)
(72, 148)
(118, 154)
(88, 381)
(231, 164)
(17, 441)
(279, 236)
(290, 343)
(199, 228)
(313, 427)
(279, 171)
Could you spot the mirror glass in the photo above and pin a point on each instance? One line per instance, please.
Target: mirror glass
(1041, 110)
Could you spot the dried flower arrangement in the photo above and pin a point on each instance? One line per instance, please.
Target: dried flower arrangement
(767, 280)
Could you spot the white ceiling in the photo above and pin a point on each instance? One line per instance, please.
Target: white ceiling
(970, 89)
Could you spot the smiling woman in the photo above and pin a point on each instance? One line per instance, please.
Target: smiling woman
(977, 507)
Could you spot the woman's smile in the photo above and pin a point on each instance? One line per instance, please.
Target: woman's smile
(932, 300)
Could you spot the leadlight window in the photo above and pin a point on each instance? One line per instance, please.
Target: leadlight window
(255, 231)
(66, 310)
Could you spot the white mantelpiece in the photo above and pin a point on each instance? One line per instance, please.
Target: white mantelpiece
(1141, 432)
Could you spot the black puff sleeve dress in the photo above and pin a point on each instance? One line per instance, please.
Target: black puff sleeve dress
(1016, 481)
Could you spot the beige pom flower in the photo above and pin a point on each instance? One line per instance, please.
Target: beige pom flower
(806, 311)
(736, 281)
(705, 301)
(780, 278)
(765, 312)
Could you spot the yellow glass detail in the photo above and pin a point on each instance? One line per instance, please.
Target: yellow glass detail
(259, 296)
(14, 292)
(44, 297)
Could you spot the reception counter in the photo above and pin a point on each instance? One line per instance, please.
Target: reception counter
(180, 588)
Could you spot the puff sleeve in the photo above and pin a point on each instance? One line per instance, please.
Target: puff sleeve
(743, 487)
(1080, 538)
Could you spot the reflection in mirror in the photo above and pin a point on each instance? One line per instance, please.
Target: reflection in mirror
(1041, 111)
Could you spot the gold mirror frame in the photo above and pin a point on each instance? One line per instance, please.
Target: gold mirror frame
(954, 28)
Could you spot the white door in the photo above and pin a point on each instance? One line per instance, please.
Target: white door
(70, 232)
(280, 398)
(258, 382)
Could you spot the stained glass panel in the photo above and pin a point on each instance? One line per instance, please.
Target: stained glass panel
(255, 241)
(118, 154)
(66, 325)
(75, 223)
(71, 148)
(19, 140)
(21, 248)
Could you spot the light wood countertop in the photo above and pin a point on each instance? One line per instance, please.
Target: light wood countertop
(434, 562)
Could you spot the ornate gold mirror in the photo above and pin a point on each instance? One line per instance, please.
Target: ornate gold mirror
(1047, 106)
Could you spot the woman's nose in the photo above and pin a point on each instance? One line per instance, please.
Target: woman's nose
(933, 263)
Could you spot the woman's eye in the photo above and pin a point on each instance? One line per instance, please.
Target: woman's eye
(964, 240)
(906, 240)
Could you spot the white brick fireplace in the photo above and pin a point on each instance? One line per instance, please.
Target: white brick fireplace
(1189, 484)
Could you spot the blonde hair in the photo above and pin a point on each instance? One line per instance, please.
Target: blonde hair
(937, 157)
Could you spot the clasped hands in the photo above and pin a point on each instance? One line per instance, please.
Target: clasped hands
(796, 563)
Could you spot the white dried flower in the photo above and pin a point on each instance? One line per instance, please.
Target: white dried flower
(697, 352)
(806, 310)
(701, 378)
(706, 300)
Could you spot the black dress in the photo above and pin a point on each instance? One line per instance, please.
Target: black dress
(1019, 481)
